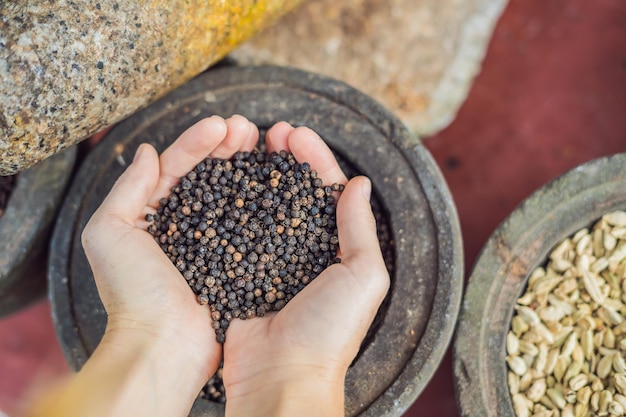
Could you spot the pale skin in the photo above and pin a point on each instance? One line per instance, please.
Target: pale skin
(159, 348)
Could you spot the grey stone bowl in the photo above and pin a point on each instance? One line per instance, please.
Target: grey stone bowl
(25, 230)
(522, 242)
(415, 323)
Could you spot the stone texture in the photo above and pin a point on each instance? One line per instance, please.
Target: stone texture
(417, 57)
(70, 68)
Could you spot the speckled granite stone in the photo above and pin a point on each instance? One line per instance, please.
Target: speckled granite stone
(70, 68)
(417, 57)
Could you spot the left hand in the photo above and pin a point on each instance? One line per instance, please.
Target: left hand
(141, 290)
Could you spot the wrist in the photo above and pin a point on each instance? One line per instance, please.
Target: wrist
(132, 373)
(166, 349)
(154, 360)
(287, 390)
(185, 343)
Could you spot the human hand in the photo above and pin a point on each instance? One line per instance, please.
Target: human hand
(141, 290)
(301, 354)
(311, 341)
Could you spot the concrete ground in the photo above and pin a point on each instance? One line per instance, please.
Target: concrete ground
(552, 95)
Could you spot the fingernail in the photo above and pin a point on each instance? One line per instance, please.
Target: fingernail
(138, 153)
(366, 188)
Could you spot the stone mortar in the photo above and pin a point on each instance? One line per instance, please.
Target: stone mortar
(25, 230)
(416, 323)
(522, 242)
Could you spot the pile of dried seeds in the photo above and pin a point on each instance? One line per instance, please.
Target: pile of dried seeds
(566, 346)
(214, 389)
(248, 233)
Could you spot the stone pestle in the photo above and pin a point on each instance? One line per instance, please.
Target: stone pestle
(70, 68)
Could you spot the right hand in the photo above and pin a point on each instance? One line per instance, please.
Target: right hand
(307, 347)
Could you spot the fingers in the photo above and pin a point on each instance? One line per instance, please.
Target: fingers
(212, 136)
(239, 129)
(129, 195)
(306, 146)
(360, 249)
(251, 140)
(276, 137)
(193, 145)
(221, 138)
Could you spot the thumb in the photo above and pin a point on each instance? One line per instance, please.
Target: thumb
(131, 192)
(358, 242)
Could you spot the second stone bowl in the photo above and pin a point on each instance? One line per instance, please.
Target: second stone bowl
(25, 230)
(415, 323)
(574, 201)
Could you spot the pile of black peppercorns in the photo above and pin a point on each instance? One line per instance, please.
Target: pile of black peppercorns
(214, 389)
(248, 233)
(6, 187)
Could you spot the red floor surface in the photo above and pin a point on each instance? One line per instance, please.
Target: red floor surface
(552, 95)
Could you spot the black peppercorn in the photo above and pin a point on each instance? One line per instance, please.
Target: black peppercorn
(248, 233)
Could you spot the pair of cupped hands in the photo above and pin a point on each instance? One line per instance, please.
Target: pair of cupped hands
(291, 361)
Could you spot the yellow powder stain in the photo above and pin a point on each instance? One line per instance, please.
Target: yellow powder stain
(208, 29)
